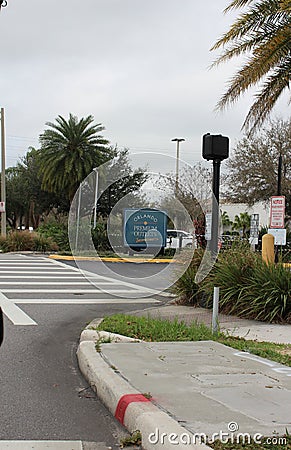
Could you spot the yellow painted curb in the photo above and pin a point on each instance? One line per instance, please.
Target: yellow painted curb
(108, 259)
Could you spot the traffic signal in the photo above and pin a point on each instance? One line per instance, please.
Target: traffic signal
(215, 146)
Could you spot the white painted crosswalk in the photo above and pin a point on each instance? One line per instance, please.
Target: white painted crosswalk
(51, 445)
(26, 279)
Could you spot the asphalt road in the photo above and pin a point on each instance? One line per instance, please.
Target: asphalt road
(151, 275)
(43, 395)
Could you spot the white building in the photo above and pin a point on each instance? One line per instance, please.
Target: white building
(261, 208)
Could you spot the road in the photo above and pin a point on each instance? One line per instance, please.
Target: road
(158, 276)
(43, 395)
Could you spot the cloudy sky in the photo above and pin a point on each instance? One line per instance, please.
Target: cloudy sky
(141, 68)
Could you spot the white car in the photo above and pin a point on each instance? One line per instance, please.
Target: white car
(179, 239)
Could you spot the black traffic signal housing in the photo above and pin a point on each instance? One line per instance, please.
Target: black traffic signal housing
(215, 146)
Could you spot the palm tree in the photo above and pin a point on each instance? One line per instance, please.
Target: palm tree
(69, 152)
(263, 34)
(225, 220)
(242, 223)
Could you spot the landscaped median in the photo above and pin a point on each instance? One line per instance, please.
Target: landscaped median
(135, 410)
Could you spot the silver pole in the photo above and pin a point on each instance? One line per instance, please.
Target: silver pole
(96, 197)
(78, 217)
(215, 310)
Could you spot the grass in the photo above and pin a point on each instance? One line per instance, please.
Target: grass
(161, 330)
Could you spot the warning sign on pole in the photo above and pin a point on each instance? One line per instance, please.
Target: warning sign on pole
(277, 212)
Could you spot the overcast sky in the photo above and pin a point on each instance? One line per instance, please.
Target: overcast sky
(141, 68)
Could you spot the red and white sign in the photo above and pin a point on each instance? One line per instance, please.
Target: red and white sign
(277, 214)
(2, 207)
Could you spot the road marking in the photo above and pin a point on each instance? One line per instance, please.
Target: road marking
(67, 291)
(32, 277)
(37, 271)
(15, 314)
(52, 283)
(91, 275)
(84, 301)
(24, 263)
(43, 445)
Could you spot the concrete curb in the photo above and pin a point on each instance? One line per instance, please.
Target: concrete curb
(114, 391)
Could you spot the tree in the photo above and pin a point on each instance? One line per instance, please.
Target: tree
(127, 185)
(26, 201)
(263, 34)
(194, 190)
(242, 223)
(69, 152)
(253, 167)
(225, 220)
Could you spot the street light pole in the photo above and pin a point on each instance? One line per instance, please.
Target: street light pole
(96, 197)
(178, 140)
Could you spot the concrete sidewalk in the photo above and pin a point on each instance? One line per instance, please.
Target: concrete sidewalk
(197, 389)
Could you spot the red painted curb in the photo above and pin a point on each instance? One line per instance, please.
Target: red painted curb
(123, 403)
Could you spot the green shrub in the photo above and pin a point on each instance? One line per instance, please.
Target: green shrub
(58, 233)
(44, 244)
(189, 292)
(100, 237)
(267, 296)
(18, 241)
(250, 288)
(231, 273)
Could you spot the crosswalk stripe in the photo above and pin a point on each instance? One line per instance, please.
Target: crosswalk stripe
(55, 272)
(84, 300)
(91, 275)
(54, 283)
(43, 445)
(15, 314)
(68, 291)
(25, 263)
(31, 277)
(52, 277)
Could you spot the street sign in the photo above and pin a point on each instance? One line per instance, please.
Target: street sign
(208, 225)
(277, 212)
(145, 227)
(254, 229)
(279, 235)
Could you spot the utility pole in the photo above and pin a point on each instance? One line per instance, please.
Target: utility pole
(3, 185)
(178, 140)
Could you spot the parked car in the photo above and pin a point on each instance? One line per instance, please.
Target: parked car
(179, 239)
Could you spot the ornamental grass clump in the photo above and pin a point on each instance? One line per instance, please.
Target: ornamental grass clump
(250, 288)
(268, 294)
(186, 289)
(17, 241)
